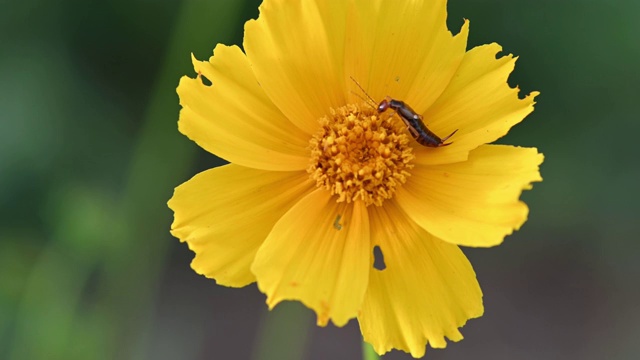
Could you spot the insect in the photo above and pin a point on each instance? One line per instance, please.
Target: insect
(411, 119)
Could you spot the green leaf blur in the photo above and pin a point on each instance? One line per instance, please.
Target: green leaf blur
(90, 153)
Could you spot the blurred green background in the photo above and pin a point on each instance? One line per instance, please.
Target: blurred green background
(90, 153)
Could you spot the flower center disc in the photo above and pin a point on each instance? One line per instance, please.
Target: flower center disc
(359, 155)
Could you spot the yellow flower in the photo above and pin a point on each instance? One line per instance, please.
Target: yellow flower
(318, 178)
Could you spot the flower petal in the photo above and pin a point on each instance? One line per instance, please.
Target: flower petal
(426, 292)
(403, 49)
(296, 49)
(478, 102)
(225, 213)
(475, 202)
(234, 119)
(317, 253)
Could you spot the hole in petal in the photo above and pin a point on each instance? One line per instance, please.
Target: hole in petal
(378, 259)
(205, 81)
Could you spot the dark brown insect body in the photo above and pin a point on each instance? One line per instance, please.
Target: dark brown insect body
(411, 119)
(414, 123)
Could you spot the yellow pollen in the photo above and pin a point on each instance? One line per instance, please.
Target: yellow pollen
(359, 155)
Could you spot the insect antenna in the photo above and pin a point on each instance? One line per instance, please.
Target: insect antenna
(373, 102)
(373, 105)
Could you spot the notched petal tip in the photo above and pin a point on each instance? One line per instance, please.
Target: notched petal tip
(473, 203)
(464, 29)
(532, 95)
(510, 59)
(304, 258)
(226, 112)
(427, 293)
(210, 212)
(480, 102)
(194, 62)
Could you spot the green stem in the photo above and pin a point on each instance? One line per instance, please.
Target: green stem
(368, 353)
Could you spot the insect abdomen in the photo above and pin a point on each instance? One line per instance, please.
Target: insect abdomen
(427, 138)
